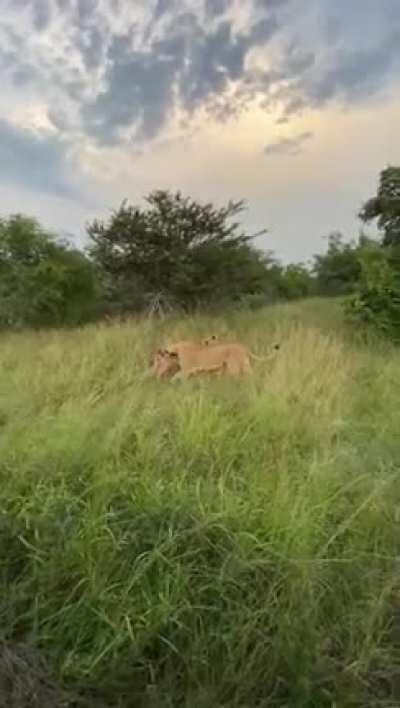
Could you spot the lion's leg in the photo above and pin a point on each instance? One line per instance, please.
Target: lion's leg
(247, 368)
(195, 371)
(218, 369)
(213, 369)
(192, 372)
(178, 376)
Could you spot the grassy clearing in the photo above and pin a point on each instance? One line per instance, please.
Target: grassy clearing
(207, 543)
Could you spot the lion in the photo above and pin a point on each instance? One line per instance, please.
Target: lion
(165, 363)
(233, 359)
(185, 359)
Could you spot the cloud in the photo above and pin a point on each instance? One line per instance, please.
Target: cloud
(23, 74)
(63, 5)
(41, 14)
(126, 71)
(85, 9)
(356, 74)
(187, 68)
(139, 92)
(356, 56)
(39, 163)
(288, 146)
(162, 7)
(350, 77)
(92, 47)
(271, 4)
(214, 8)
(105, 80)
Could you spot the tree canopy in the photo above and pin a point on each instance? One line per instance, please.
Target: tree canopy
(338, 269)
(42, 281)
(177, 250)
(385, 206)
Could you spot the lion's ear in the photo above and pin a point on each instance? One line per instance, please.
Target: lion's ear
(208, 340)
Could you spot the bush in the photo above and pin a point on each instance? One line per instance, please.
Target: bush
(377, 299)
(43, 282)
(337, 271)
(297, 282)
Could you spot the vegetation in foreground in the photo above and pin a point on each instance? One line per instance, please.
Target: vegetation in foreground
(208, 543)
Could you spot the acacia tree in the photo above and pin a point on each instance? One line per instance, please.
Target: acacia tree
(178, 250)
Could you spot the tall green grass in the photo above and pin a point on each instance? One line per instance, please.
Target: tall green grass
(208, 543)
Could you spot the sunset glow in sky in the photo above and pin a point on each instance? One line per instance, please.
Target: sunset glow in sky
(293, 105)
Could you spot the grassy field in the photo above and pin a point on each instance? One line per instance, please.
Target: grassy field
(208, 543)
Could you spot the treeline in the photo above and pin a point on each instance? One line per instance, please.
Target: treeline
(177, 254)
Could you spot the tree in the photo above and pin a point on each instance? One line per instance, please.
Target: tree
(297, 282)
(376, 301)
(42, 281)
(385, 206)
(176, 250)
(337, 271)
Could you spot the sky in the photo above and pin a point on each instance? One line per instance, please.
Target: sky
(291, 105)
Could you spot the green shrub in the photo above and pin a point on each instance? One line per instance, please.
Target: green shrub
(43, 282)
(377, 299)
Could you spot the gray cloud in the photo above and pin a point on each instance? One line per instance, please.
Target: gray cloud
(85, 9)
(12, 58)
(214, 8)
(140, 86)
(24, 74)
(63, 5)
(190, 67)
(8, 59)
(115, 6)
(37, 163)
(41, 14)
(135, 82)
(58, 118)
(213, 59)
(356, 74)
(92, 46)
(270, 4)
(288, 146)
(297, 60)
(162, 7)
(349, 73)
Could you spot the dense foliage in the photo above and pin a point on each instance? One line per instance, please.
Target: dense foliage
(385, 206)
(377, 298)
(175, 253)
(338, 270)
(42, 281)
